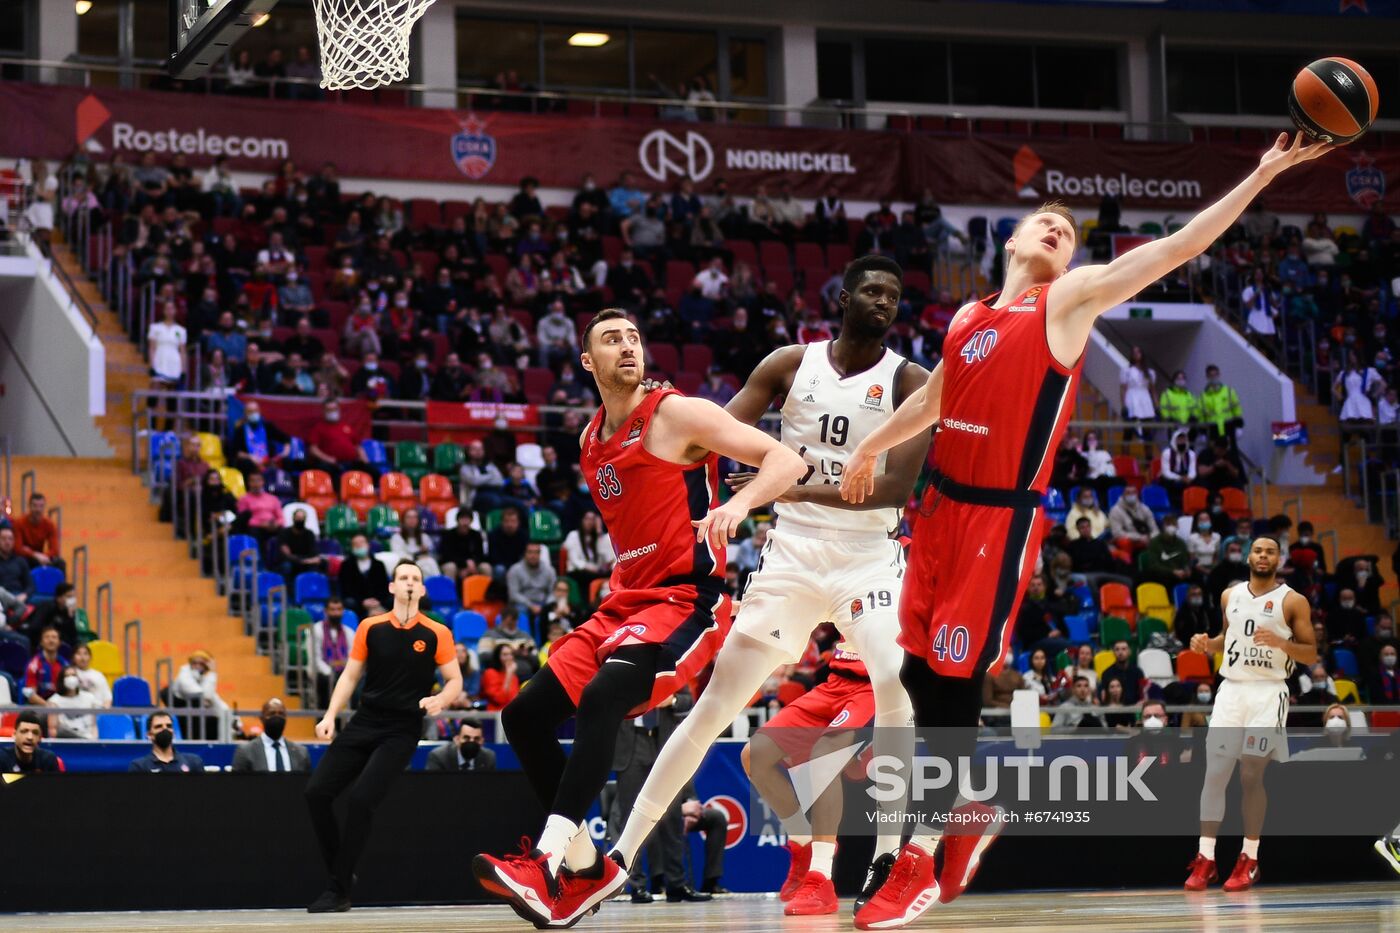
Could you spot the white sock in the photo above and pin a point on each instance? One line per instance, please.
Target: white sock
(823, 853)
(581, 853)
(798, 839)
(1208, 847)
(1251, 848)
(925, 839)
(559, 831)
(886, 844)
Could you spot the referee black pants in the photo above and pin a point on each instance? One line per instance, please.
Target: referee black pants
(365, 757)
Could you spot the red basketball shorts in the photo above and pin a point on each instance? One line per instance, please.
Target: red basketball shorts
(968, 570)
(835, 704)
(689, 624)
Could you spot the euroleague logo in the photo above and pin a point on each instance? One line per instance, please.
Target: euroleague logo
(420, 646)
(874, 395)
(736, 819)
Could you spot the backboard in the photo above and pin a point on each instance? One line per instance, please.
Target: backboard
(201, 32)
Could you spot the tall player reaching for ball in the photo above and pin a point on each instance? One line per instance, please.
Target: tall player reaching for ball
(1267, 628)
(825, 559)
(651, 461)
(1004, 391)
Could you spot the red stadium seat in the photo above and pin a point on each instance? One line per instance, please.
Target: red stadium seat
(1236, 503)
(314, 483)
(774, 256)
(743, 252)
(437, 495)
(356, 484)
(428, 260)
(612, 249)
(451, 210)
(499, 266)
(696, 357)
(424, 213)
(917, 278)
(1193, 666)
(664, 358)
(1115, 599)
(679, 273)
(809, 256)
(536, 382)
(1194, 500)
(396, 491)
(838, 256)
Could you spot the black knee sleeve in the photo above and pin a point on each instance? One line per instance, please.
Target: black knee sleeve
(946, 710)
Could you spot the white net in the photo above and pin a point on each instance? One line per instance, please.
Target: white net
(364, 43)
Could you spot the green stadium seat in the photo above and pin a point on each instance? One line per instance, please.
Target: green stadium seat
(411, 459)
(545, 527)
(1113, 628)
(448, 459)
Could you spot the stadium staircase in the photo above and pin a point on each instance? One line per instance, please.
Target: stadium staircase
(106, 507)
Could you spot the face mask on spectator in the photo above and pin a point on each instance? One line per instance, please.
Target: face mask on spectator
(1195, 602)
(291, 278)
(70, 603)
(1362, 576)
(1236, 556)
(164, 739)
(1336, 724)
(373, 286)
(1130, 498)
(1181, 383)
(421, 364)
(401, 302)
(1204, 526)
(1203, 696)
(299, 522)
(469, 750)
(361, 551)
(1152, 723)
(70, 683)
(1087, 502)
(371, 366)
(1305, 539)
(254, 417)
(273, 726)
(332, 416)
(1169, 531)
(1388, 660)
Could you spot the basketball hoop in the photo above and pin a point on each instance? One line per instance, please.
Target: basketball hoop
(364, 43)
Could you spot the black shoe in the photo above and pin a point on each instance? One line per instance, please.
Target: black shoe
(875, 877)
(714, 887)
(684, 893)
(330, 902)
(642, 897)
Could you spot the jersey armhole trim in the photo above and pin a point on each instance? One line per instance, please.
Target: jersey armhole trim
(1059, 367)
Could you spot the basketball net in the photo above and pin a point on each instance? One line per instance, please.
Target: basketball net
(364, 43)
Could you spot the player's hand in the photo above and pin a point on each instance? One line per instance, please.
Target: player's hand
(858, 475)
(720, 524)
(325, 728)
(432, 705)
(1285, 155)
(651, 385)
(1199, 643)
(1269, 639)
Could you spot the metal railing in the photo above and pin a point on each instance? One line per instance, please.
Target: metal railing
(102, 624)
(132, 648)
(163, 677)
(78, 574)
(28, 482)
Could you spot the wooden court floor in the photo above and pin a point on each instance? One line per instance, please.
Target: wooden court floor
(1333, 908)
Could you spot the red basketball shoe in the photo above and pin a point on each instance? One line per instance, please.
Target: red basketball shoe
(1245, 874)
(1203, 873)
(911, 889)
(581, 892)
(814, 896)
(801, 860)
(964, 844)
(523, 880)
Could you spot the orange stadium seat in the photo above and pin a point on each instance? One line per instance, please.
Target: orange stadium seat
(1193, 666)
(1194, 500)
(356, 484)
(1116, 600)
(396, 491)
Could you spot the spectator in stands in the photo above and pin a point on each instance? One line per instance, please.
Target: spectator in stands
(556, 335)
(1166, 559)
(271, 751)
(410, 541)
(560, 615)
(227, 339)
(506, 543)
(93, 681)
(481, 480)
(43, 674)
(712, 282)
(27, 755)
(1203, 543)
(1088, 554)
(1124, 670)
(1087, 507)
(296, 301)
(998, 689)
(371, 381)
(500, 682)
(625, 199)
(1177, 403)
(1135, 389)
(1074, 711)
(465, 752)
(218, 504)
(462, 549)
(517, 489)
(71, 695)
(163, 757)
(1081, 665)
(259, 511)
(1195, 617)
(221, 190)
(1319, 247)
(1220, 405)
(1260, 302)
(1219, 466)
(1070, 468)
(416, 379)
(196, 684)
(1383, 685)
(363, 579)
(1178, 466)
(1039, 675)
(1102, 474)
(452, 382)
(36, 537)
(299, 550)
(1131, 523)
(331, 639)
(630, 282)
(788, 215)
(1113, 695)
(333, 443)
(1306, 543)
(706, 236)
(1316, 688)
(306, 71)
(61, 612)
(166, 350)
(1360, 575)
(257, 373)
(529, 583)
(1230, 570)
(304, 343)
(747, 553)
(255, 444)
(570, 390)
(553, 474)
(1039, 621)
(360, 335)
(1346, 621)
(588, 551)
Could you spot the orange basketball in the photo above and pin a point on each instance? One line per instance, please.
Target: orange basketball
(1333, 100)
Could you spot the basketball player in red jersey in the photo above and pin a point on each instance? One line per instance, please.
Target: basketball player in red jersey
(1004, 391)
(651, 459)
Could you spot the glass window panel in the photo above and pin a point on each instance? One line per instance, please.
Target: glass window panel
(1200, 81)
(289, 26)
(97, 30)
(1076, 77)
(992, 74)
(748, 68)
(835, 78)
(150, 31)
(1265, 79)
(906, 70)
(674, 59)
(601, 67)
(489, 47)
(12, 29)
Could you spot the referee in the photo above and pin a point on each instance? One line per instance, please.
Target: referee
(398, 654)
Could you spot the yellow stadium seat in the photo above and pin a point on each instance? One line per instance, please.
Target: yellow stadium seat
(233, 481)
(1045, 721)
(1152, 600)
(1347, 692)
(107, 659)
(1342, 231)
(1103, 661)
(211, 449)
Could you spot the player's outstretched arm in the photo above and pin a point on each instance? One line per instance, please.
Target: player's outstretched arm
(916, 415)
(340, 697)
(1089, 291)
(1302, 648)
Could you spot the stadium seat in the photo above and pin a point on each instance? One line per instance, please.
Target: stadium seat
(1084, 597)
(474, 590)
(1149, 626)
(1156, 666)
(1179, 594)
(13, 659)
(1193, 666)
(315, 487)
(1346, 691)
(342, 522)
(396, 491)
(545, 527)
(233, 481)
(211, 449)
(468, 626)
(313, 521)
(375, 452)
(1114, 599)
(1054, 504)
(1126, 467)
(356, 484)
(1062, 661)
(131, 691)
(1112, 628)
(1194, 500)
(238, 545)
(1346, 663)
(164, 450)
(107, 659)
(1103, 660)
(292, 623)
(1236, 503)
(491, 520)
(437, 495)
(382, 520)
(1385, 719)
(411, 459)
(115, 727)
(697, 358)
(664, 358)
(1152, 601)
(595, 589)
(45, 580)
(448, 459)
(1156, 499)
(442, 592)
(1079, 628)
(311, 588)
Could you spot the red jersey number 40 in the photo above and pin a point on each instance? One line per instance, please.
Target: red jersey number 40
(951, 641)
(609, 487)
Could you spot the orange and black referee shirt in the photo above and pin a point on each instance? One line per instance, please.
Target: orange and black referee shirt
(401, 661)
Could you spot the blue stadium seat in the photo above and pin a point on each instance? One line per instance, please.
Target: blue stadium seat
(1156, 499)
(45, 580)
(237, 544)
(1179, 594)
(1054, 504)
(442, 592)
(1023, 661)
(1080, 628)
(164, 451)
(115, 727)
(13, 660)
(296, 448)
(350, 620)
(131, 691)
(267, 581)
(1346, 661)
(374, 452)
(312, 588)
(468, 626)
(1114, 494)
(1085, 597)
